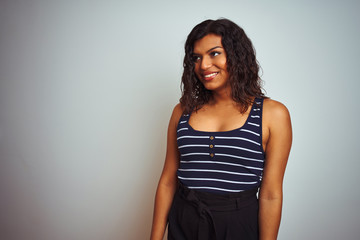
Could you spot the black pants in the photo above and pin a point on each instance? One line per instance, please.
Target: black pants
(196, 215)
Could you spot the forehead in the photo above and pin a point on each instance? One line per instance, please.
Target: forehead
(207, 42)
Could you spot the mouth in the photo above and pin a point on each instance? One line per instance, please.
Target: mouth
(210, 76)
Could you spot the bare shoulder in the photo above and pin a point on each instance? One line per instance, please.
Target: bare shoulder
(274, 111)
(178, 109)
(176, 114)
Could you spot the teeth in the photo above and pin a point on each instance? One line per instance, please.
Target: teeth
(210, 75)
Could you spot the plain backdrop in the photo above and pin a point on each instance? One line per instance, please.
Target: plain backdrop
(87, 89)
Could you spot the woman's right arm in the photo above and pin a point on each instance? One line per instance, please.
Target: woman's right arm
(168, 181)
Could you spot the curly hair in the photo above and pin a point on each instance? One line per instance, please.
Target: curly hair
(242, 66)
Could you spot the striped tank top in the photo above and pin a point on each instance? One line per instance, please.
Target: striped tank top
(222, 162)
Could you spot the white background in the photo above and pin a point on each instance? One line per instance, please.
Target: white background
(87, 89)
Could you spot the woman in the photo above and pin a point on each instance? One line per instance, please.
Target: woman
(225, 141)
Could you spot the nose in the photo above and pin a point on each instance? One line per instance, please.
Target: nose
(205, 63)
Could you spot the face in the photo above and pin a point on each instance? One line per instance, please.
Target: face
(210, 63)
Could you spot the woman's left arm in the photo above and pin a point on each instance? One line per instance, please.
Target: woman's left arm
(277, 139)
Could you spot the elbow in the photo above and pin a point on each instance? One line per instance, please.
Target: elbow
(168, 182)
(270, 195)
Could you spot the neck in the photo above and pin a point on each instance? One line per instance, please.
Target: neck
(222, 97)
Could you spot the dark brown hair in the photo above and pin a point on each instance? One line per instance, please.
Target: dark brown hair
(241, 63)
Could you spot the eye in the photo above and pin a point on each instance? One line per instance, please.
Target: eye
(195, 58)
(214, 54)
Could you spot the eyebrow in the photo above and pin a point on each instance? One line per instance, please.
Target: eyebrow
(209, 50)
(213, 48)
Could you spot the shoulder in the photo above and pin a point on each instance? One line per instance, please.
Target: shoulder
(275, 109)
(176, 114)
(275, 113)
(177, 111)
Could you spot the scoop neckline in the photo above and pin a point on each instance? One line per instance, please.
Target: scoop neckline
(220, 132)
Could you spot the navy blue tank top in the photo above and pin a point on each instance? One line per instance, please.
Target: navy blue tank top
(222, 162)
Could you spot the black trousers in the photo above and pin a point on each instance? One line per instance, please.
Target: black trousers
(196, 215)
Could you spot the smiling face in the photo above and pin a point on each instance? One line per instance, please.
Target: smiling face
(210, 63)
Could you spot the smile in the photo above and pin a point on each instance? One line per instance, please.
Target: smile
(210, 76)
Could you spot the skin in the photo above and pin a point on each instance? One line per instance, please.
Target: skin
(222, 114)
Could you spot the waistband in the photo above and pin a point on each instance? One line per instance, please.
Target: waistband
(205, 205)
(217, 202)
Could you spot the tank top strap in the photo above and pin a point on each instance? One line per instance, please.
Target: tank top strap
(258, 102)
(185, 117)
(256, 110)
(182, 124)
(255, 115)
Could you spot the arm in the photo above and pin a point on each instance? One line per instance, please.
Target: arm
(277, 139)
(167, 183)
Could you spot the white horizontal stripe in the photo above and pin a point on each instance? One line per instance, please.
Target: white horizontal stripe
(258, 103)
(223, 163)
(194, 145)
(245, 130)
(245, 139)
(189, 154)
(183, 122)
(254, 124)
(192, 137)
(213, 188)
(219, 171)
(234, 156)
(256, 109)
(181, 129)
(216, 180)
(245, 149)
(255, 116)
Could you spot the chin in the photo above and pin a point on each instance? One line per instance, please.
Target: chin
(212, 87)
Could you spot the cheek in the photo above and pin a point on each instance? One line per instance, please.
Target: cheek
(225, 69)
(197, 70)
(221, 63)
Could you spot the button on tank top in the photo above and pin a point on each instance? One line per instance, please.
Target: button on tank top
(222, 162)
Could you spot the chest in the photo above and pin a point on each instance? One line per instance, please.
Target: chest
(242, 141)
(217, 120)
